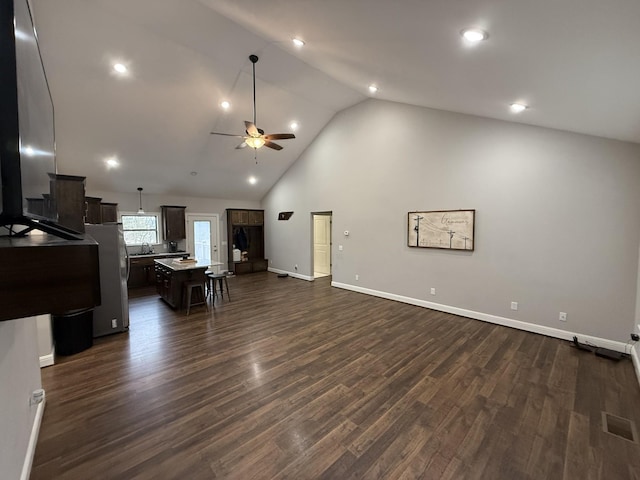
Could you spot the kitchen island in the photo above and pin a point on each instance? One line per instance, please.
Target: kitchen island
(142, 269)
(172, 273)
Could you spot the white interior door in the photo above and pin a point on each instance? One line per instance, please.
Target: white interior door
(202, 238)
(321, 245)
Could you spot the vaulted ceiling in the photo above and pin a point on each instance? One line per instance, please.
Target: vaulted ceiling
(575, 63)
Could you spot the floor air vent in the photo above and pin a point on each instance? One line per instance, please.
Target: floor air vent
(620, 427)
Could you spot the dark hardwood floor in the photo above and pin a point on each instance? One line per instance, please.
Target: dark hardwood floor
(298, 380)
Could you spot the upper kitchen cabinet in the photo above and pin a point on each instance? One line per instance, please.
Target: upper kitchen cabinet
(109, 212)
(93, 210)
(67, 199)
(173, 222)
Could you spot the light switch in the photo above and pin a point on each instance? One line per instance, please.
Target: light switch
(340, 247)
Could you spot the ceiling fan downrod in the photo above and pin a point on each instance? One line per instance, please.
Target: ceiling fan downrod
(255, 137)
(254, 60)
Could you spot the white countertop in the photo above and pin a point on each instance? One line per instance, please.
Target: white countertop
(177, 265)
(158, 254)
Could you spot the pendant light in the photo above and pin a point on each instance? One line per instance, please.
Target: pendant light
(140, 210)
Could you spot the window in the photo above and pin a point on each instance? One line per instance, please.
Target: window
(139, 229)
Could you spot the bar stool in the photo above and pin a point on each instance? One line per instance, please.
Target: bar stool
(210, 287)
(194, 298)
(219, 278)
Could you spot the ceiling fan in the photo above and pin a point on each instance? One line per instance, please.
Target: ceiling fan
(255, 137)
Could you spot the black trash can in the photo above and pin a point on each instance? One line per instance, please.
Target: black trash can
(73, 331)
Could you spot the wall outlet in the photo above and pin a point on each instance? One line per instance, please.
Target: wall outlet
(114, 323)
(514, 305)
(562, 317)
(357, 277)
(433, 291)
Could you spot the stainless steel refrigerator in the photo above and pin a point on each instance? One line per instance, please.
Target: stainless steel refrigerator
(113, 314)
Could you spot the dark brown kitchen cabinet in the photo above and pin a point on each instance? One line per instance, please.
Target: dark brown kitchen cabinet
(256, 217)
(93, 213)
(173, 222)
(67, 199)
(239, 217)
(109, 212)
(142, 269)
(167, 287)
(245, 232)
(44, 274)
(247, 217)
(36, 206)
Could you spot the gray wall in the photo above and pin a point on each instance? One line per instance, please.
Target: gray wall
(557, 223)
(19, 376)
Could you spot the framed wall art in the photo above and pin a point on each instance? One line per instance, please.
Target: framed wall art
(448, 229)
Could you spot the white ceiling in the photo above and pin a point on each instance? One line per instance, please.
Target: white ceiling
(575, 62)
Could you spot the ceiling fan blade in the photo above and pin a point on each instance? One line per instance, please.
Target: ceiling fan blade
(227, 134)
(252, 130)
(279, 136)
(275, 146)
(242, 145)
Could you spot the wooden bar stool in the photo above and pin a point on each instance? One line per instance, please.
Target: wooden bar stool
(219, 278)
(194, 298)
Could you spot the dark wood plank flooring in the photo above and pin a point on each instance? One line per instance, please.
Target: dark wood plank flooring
(298, 380)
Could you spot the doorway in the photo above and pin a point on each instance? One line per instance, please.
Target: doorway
(321, 244)
(202, 238)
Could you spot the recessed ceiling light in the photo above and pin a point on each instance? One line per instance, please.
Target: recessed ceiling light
(112, 162)
(474, 35)
(253, 180)
(193, 174)
(298, 42)
(225, 105)
(294, 126)
(518, 107)
(373, 88)
(120, 67)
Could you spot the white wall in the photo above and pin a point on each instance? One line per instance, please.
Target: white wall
(45, 340)
(637, 325)
(19, 376)
(557, 224)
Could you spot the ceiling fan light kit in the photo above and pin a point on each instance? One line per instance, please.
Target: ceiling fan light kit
(255, 137)
(255, 142)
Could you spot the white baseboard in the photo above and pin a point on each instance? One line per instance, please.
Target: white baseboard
(485, 317)
(33, 440)
(47, 360)
(292, 274)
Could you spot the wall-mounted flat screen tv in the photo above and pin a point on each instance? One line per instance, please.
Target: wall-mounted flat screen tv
(27, 126)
